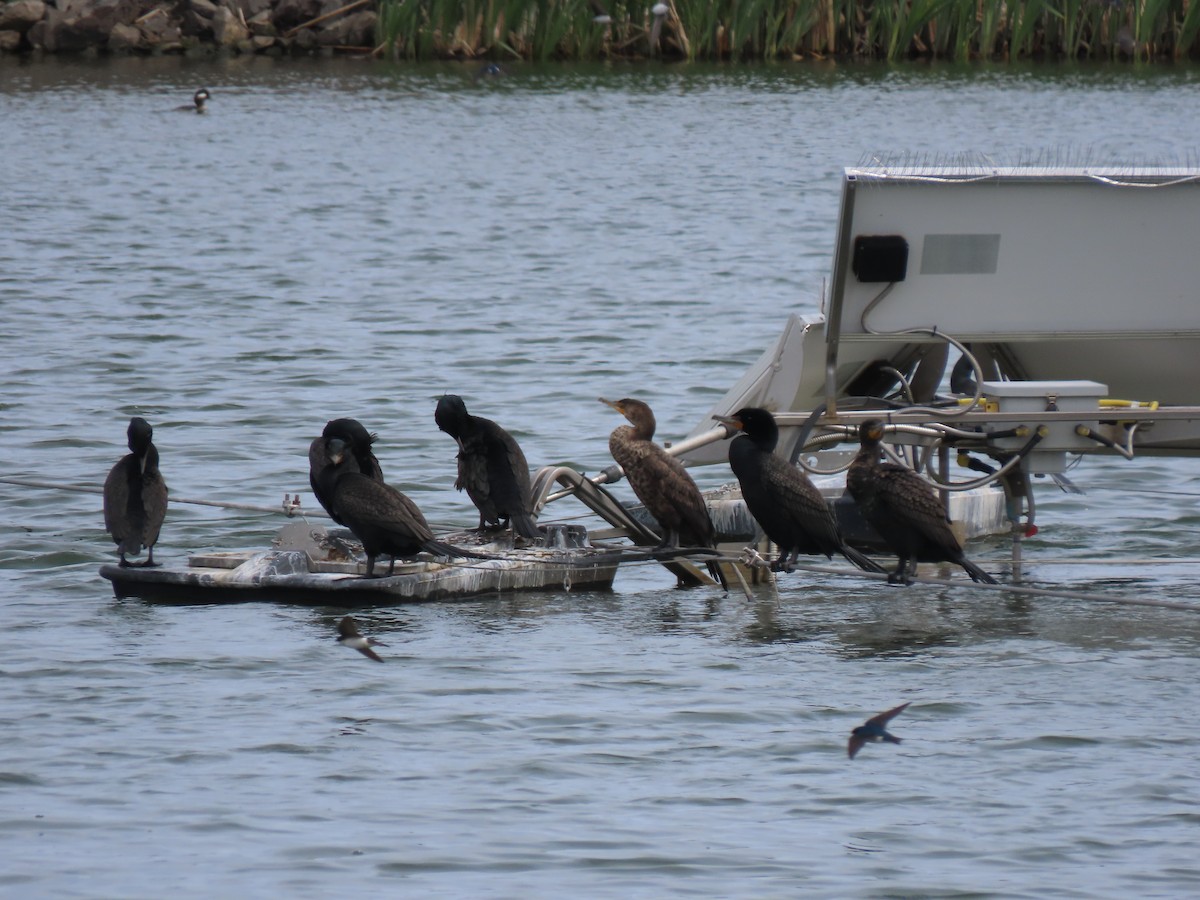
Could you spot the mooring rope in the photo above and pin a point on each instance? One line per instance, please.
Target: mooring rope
(288, 507)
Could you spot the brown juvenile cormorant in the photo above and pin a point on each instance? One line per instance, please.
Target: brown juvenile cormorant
(661, 482)
(359, 439)
(781, 498)
(135, 496)
(491, 467)
(904, 509)
(384, 519)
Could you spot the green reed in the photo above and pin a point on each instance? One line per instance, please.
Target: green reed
(1188, 30)
(781, 29)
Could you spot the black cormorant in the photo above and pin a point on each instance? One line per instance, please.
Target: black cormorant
(384, 519)
(491, 467)
(781, 498)
(135, 496)
(352, 432)
(661, 482)
(904, 509)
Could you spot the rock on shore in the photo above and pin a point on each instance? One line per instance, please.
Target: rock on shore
(180, 26)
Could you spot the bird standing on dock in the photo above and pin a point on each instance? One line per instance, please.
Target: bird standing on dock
(135, 496)
(491, 468)
(199, 98)
(782, 499)
(874, 730)
(349, 636)
(904, 509)
(661, 482)
(352, 432)
(386, 520)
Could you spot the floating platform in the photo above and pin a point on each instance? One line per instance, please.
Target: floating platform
(309, 566)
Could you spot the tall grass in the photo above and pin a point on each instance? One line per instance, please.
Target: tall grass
(774, 29)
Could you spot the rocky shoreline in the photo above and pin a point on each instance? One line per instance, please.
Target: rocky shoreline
(149, 27)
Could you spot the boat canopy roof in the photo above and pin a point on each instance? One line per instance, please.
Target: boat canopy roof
(1042, 273)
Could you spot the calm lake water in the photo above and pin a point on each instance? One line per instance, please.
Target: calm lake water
(342, 238)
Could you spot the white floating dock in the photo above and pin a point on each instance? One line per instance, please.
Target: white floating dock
(303, 568)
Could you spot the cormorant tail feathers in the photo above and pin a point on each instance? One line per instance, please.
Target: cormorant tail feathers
(718, 574)
(524, 525)
(863, 561)
(976, 573)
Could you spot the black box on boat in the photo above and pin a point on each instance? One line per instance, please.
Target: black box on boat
(880, 258)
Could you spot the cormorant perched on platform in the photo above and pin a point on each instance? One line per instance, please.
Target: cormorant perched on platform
(781, 498)
(491, 468)
(135, 496)
(359, 439)
(661, 482)
(904, 509)
(384, 519)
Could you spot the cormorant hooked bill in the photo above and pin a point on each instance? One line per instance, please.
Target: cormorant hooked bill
(135, 496)
(782, 499)
(661, 482)
(904, 509)
(491, 468)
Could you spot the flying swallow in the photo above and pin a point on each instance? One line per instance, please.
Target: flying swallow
(349, 636)
(874, 730)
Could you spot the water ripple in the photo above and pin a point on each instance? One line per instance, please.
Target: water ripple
(348, 238)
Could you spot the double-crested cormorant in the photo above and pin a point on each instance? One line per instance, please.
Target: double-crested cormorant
(874, 730)
(904, 509)
(135, 496)
(349, 636)
(352, 432)
(384, 519)
(781, 498)
(661, 482)
(491, 467)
